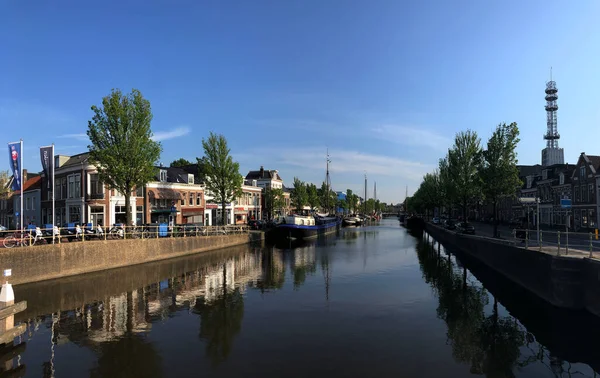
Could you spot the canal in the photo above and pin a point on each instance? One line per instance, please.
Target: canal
(368, 302)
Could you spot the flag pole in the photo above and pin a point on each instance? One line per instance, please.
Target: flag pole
(53, 189)
(22, 184)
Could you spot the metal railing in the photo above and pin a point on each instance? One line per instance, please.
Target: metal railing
(56, 235)
(559, 242)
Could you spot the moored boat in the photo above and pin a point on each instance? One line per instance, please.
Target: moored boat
(301, 227)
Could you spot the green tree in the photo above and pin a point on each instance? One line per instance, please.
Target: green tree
(274, 200)
(121, 146)
(343, 204)
(223, 179)
(328, 198)
(464, 161)
(352, 200)
(299, 196)
(446, 184)
(5, 190)
(312, 196)
(181, 162)
(499, 173)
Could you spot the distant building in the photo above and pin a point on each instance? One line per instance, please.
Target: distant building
(265, 178)
(586, 185)
(31, 201)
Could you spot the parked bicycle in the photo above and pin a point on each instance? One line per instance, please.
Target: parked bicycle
(24, 239)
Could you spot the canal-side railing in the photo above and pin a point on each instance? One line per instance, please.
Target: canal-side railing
(559, 242)
(56, 235)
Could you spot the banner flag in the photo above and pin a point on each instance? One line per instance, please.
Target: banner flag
(14, 152)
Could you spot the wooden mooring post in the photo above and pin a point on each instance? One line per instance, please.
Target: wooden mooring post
(8, 331)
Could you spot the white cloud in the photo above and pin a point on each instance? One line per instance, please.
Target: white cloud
(413, 136)
(349, 161)
(79, 136)
(175, 133)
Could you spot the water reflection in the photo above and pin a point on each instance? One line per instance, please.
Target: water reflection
(221, 313)
(489, 343)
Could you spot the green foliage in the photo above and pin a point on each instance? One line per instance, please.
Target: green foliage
(121, 146)
(181, 162)
(327, 197)
(343, 204)
(352, 200)
(299, 195)
(5, 190)
(464, 160)
(499, 173)
(223, 179)
(312, 196)
(274, 201)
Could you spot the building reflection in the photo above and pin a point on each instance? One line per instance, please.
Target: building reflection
(115, 327)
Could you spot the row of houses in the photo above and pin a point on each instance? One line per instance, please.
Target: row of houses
(175, 196)
(578, 182)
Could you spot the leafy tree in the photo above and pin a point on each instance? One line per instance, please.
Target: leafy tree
(499, 173)
(343, 204)
(121, 147)
(446, 184)
(352, 200)
(299, 196)
(464, 161)
(312, 196)
(181, 162)
(274, 200)
(328, 198)
(5, 190)
(223, 179)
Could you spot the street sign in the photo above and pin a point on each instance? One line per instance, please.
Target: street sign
(565, 203)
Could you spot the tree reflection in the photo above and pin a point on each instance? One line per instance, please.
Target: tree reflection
(221, 320)
(273, 272)
(128, 356)
(488, 343)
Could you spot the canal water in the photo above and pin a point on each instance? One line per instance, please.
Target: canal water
(367, 302)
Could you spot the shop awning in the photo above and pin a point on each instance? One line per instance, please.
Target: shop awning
(169, 194)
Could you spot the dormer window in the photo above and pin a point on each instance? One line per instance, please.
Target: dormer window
(562, 179)
(163, 176)
(582, 172)
(190, 178)
(529, 181)
(545, 174)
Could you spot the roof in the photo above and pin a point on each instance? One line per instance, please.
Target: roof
(174, 174)
(76, 160)
(33, 183)
(263, 174)
(595, 160)
(528, 170)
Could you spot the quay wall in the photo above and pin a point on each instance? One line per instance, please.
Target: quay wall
(45, 262)
(562, 281)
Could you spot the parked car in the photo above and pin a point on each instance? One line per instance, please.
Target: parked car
(465, 228)
(435, 220)
(450, 225)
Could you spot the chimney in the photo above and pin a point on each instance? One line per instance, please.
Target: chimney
(262, 171)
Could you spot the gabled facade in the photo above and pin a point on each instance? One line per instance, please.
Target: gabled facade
(585, 181)
(265, 178)
(174, 197)
(31, 201)
(554, 185)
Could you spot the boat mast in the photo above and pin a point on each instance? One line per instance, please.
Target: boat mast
(365, 206)
(327, 183)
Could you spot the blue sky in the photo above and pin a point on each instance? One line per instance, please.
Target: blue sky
(384, 85)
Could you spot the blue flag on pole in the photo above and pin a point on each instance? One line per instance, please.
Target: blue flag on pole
(14, 152)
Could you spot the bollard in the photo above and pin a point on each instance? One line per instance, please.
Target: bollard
(157, 230)
(567, 243)
(105, 231)
(540, 241)
(526, 239)
(558, 245)
(591, 246)
(124, 232)
(7, 298)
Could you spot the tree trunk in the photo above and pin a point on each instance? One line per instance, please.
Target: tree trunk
(223, 214)
(127, 195)
(495, 222)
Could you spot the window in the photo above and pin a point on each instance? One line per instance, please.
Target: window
(27, 200)
(74, 214)
(183, 199)
(33, 202)
(577, 194)
(591, 192)
(163, 176)
(139, 212)
(120, 214)
(97, 215)
(582, 172)
(198, 199)
(63, 190)
(74, 186)
(562, 179)
(529, 181)
(583, 194)
(545, 174)
(592, 218)
(192, 202)
(96, 187)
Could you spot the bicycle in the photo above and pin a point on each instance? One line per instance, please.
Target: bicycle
(23, 239)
